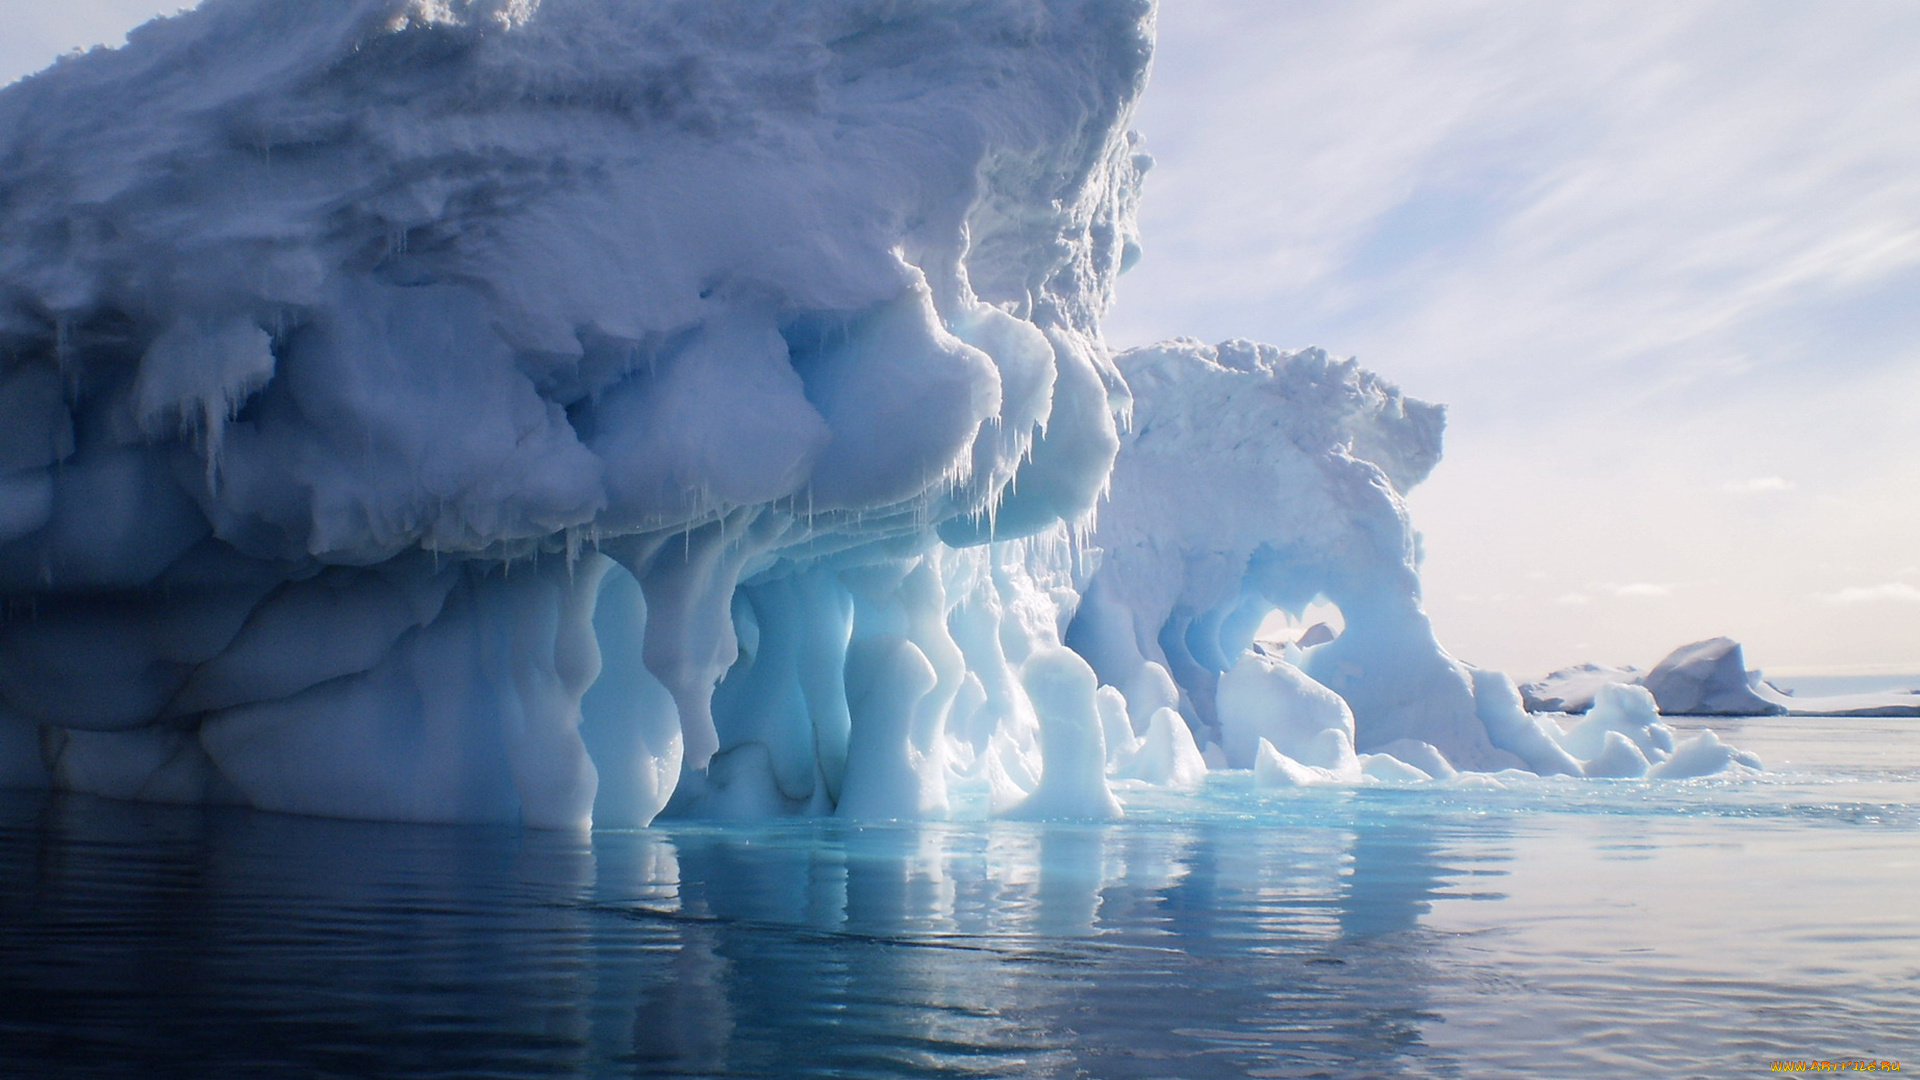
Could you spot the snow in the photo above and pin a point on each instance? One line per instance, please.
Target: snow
(577, 412)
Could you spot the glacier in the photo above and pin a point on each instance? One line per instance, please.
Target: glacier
(573, 412)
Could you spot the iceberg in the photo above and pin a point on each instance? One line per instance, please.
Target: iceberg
(1572, 689)
(1253, 479)
(374, 391)
(578, 412)
(1705, 678)
(1710, 678)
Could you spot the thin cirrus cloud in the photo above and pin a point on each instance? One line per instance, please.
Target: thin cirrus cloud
(1666, 196)
(1898, 592)
(1643, 252)
(1644, 589)
(1759, 485)
(1632, 590)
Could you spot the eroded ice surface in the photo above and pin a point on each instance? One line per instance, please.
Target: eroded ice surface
(580, 410)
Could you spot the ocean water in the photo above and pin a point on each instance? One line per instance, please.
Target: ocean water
(1818, 685)
(1520, 928)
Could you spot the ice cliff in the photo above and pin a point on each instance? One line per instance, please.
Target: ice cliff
(577, 410)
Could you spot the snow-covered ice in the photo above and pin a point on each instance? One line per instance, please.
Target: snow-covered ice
(578, 411)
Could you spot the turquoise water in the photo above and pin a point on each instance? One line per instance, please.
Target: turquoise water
(1537, 928)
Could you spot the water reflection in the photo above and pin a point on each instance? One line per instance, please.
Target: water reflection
(151, 941)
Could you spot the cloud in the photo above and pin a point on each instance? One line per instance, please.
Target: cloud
(1645, 254)
(1891, 591)
(1641, 589)
(1573, 598)
(1664, 198)
(1759, 485)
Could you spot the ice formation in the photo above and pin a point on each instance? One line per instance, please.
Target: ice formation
(1705, 678)
(1710, 678)
(1254, 479)
(569, 411)
(1572, 689)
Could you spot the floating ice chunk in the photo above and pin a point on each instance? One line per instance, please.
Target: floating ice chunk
(1264, 697)
(1332, 750)
(1390, 768)
(1273, 769)
(1618, 758)
(1513, 729)
(1166, 754)
(1420, 755)
(1702, 755)
(1625, 710)
(1073, 778)
(1478, 781)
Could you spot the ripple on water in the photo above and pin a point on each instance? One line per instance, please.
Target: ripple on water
(1536, 927)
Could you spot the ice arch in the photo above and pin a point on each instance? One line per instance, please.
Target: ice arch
(1252, 479)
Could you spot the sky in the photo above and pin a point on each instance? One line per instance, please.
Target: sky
(1661, 261)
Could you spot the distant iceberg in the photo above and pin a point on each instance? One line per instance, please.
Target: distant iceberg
(570, 412)
(1705, 678)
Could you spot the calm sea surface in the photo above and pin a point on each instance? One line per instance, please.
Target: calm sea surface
(1544, 928)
